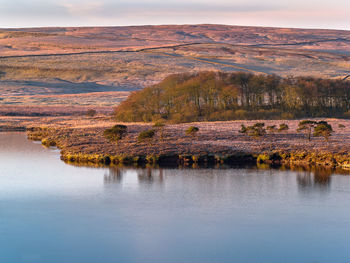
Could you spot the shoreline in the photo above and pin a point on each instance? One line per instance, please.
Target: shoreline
(217, 143)
(331, 161)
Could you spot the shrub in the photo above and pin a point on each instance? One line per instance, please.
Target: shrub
(263, 158)
(146, 135)
(341, 126)
(91, 112)
(116, 133)
(256, 130)
(48, 142)
(271, 129)
(192, 130)
(283, 127)
(243, 129)
(323, 129)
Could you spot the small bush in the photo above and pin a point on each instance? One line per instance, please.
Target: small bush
(283, 127)
(146, 135)
(263, 158)
(256, 130)
(271, 129)
(116, 133)
(48, 142)
(91, 112)
(341, 126)
(243, 129)
(192, 130)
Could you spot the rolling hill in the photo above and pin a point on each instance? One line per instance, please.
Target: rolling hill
(100, 66)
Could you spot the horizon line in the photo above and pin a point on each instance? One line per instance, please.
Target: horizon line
(171, 24)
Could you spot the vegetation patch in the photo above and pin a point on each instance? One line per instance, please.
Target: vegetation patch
(116, 133)
(146, 135)
(192, 130)
(211, 96)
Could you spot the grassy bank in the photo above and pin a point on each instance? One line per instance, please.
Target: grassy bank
(215, 143)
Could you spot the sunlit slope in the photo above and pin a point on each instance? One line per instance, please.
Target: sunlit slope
(45, 65)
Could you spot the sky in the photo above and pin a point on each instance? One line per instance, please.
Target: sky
(278, 13)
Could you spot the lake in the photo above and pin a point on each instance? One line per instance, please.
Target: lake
(54, 212)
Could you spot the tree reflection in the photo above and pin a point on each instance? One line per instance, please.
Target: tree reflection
(114, 176)
(314, 179)
(322, 177)
(148, 175)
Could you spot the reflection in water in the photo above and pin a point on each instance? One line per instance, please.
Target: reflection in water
(148, 176)
(318, 179)
(144, 176)
(114, 176)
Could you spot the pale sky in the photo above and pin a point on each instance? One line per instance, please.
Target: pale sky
(281, 13)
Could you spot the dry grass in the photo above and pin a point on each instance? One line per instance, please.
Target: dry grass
(85, 136)
(141, 56)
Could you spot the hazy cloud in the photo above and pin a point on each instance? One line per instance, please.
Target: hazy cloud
(31, 9)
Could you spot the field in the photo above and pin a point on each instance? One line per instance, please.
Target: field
(99, 67)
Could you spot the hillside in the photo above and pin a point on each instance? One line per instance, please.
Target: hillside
(101, 66)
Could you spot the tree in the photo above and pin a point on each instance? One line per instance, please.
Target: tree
(116, 133)
(205, 96)
(307, 127)
(323, 129)
(192, 130)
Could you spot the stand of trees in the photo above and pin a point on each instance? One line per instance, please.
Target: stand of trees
(209, 96)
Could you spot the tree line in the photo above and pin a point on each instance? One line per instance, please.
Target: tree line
(209, 96)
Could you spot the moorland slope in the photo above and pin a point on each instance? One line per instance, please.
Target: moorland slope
(100, 66)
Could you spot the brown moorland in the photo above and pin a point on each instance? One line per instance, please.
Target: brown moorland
(79, 137)
(42, 66)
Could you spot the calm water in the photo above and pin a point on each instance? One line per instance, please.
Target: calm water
(53, 212)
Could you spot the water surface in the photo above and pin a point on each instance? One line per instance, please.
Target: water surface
(53, 212)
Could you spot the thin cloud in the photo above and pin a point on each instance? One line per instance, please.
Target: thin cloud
(96, 9)
(88, 8)
(17, 9)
